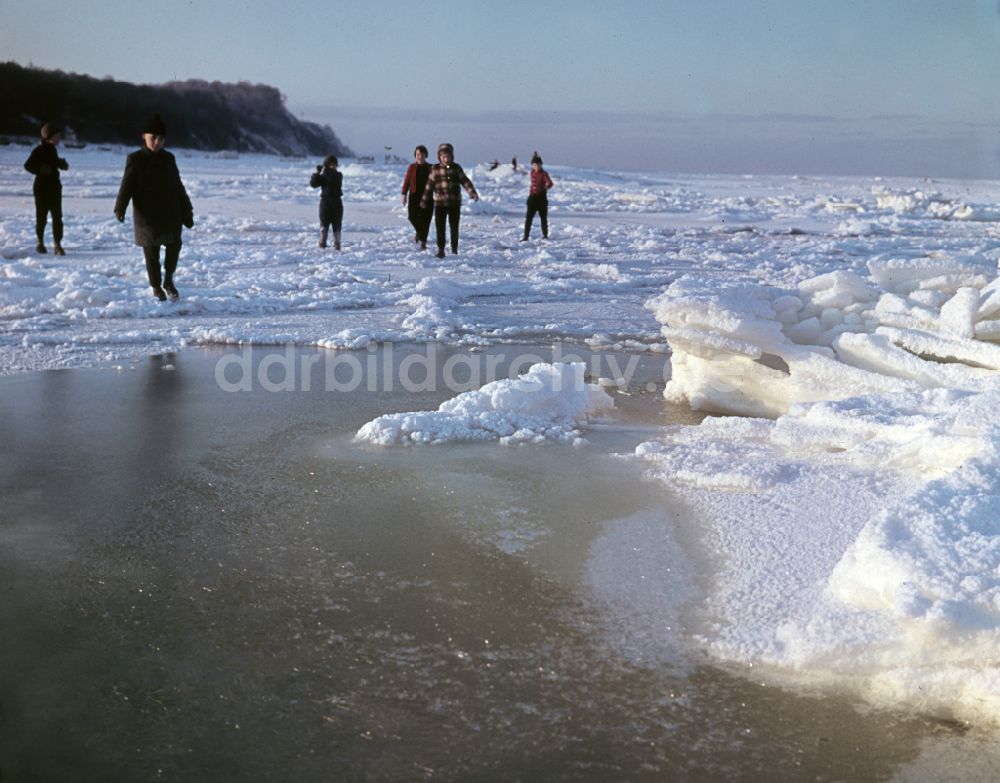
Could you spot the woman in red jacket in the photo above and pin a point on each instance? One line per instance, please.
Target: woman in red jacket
(413, 188)
(538, 198)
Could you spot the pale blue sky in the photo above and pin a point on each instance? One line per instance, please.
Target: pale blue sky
(809, 86)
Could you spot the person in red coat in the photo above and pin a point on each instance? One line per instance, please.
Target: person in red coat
(538, 198)
(413, 188)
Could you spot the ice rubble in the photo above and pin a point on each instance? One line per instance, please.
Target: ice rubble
(859, 507)
(756, 350)
(549, 402)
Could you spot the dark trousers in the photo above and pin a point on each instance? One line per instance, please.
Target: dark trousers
(540, 204)
(331, 214)
(46, 202)
(170, 256)
(419, 217)
(451, 213)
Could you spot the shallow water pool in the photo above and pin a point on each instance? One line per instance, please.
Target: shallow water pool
(201, 584)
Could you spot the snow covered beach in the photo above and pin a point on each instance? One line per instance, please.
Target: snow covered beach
(850, 503)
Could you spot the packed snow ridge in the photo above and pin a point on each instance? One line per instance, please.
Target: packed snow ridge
(548, 403)
(859, 504)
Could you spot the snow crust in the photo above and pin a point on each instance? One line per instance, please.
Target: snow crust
(548, 403)
(858, 507)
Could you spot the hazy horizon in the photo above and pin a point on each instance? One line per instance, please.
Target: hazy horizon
(714, 144)
(896, 87)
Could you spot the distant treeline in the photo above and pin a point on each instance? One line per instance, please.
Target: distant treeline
(200, 115)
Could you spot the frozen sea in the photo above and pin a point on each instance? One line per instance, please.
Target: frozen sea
(703, 486)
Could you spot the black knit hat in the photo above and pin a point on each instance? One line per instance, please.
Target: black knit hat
(536, 158)
(446, 147)
(49, 130)
(330, 161)
(155, 125)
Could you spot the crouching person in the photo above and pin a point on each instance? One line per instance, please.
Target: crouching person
(160, 206)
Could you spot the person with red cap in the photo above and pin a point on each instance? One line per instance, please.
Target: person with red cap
(45, 163)
(160, 206)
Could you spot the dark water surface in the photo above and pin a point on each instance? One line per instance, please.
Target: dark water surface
(201, 585)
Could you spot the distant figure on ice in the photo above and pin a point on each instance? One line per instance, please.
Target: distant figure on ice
(160, 205)
(413, 188)
(444, 189)
(513, 163)
(44, 162)
(494, 165)
(331, 204)
(538, 198)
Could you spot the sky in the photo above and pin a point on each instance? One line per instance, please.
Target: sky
(737, 86)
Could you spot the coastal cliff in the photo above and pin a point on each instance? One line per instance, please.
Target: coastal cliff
(240, 117)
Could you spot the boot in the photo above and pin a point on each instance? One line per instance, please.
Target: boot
(336, 240)
(59, 250)
(159, 294)
(170, 291)
(40, 247)
(322, 237)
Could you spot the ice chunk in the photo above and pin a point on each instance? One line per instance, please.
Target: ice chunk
(959, 312)
(550, 402)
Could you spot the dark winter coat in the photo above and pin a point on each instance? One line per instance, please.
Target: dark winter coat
(44, 162)
(331, 205)
(160, 205)
(332, 182)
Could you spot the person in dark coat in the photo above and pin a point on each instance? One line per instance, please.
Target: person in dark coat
(160, 206)
(331, 200)
(45, 163)
(444, 190)
(538, 198)
(413, 188)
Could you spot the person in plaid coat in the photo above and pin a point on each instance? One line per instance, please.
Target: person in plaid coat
(444, 189)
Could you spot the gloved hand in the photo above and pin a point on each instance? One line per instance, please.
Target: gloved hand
(319, 169)
(120, 216)
(189, 222)
(64, 164)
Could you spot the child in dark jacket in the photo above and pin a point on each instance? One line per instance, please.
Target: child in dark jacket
(444, 189)
(44, 162)
(331, 204)
(538, 198)
(413, 188)
(160, 206)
